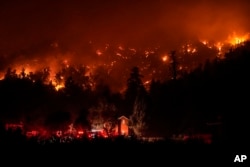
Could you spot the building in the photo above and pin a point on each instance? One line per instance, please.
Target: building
(123, 126)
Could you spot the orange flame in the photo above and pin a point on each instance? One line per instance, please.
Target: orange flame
(238, 39)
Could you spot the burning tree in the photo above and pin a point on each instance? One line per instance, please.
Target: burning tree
(137, 119)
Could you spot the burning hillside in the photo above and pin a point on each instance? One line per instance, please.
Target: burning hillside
(111, 64)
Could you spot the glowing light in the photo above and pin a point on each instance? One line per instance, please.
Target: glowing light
(146, 82)
(32, 133)
(98, 52)
(194, 50)
(219, 46)
(112, 63)
(147, 53)
(204, 42)
(58, 87)
(164, 58)
(120, 48)
(106, 46)
(132, 49)
(188, 48)
(59, 133)
(80, 132)
(119, 54)
(238, 40)
(66, 63)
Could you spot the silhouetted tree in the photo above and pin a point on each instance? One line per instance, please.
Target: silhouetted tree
(11, 74)
(101, 114)
(135, 89)
(174, 65)
(77, 75)
(71, 88)
(22, 73)
(137, 119)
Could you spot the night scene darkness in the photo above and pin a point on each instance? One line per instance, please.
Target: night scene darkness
(124, 71)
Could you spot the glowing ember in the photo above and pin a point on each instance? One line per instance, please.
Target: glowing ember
(164, 58)
(118, 54)
(189, 49)
(194, 50)
(120, 48)
(58, 87)
(98, 52)
(204, 42)
(65, 63)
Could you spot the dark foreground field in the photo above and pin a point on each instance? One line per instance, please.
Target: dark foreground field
(121, 152)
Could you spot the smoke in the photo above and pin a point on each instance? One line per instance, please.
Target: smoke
(25, 24)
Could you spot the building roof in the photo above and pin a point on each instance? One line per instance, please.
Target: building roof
(123, 117)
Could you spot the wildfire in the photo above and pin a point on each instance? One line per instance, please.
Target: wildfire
(222, 46)
(219, 47)
(189, 48)
(206, 43)
(24, 70)
(236, 39)
(55, 72)
(59, 86)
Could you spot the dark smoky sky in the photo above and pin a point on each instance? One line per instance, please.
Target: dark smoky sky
(73, 23)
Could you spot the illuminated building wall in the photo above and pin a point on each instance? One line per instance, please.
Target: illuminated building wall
(123, 126)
